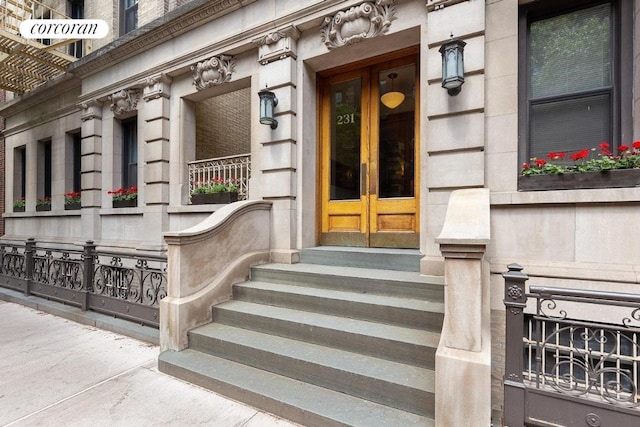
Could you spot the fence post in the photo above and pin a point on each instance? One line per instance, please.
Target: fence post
(29, 251)
(515, 300)
(88, 255)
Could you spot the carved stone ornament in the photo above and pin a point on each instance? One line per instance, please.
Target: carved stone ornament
(368, 20)
(91, 110)
(213, 71)
(156, 87)
(124, 101)
(278, 45)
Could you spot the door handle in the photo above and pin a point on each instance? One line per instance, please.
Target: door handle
(363, 179)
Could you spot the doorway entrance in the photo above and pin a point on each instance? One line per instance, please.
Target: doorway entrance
(369, 156)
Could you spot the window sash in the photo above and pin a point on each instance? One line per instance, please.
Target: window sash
(620, 90)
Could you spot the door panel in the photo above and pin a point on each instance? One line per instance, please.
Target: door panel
(369, 157)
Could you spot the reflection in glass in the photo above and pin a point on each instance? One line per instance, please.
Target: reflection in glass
(397, 136)
(345, 140)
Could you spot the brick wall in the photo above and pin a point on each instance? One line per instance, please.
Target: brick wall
(498, 326)
(148, 10)
(223, 125)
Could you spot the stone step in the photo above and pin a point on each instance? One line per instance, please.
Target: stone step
(401, 386)
(404, 345)
(353, 279)
(375, 258)
(295, 400)
(411, 312)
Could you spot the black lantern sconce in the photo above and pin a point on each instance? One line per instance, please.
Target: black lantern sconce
(268, 102)
(453, 65)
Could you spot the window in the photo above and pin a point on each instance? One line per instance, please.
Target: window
(73, 162)
(76, 12)
(128, 16)
(19, 173)
(44, 170)
(130, 152)
(575, 76)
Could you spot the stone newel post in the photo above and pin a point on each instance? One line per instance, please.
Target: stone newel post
(463, 359)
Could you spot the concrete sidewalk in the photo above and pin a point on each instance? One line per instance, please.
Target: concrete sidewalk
(55, 372)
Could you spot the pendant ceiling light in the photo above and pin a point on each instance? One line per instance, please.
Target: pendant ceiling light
(392, 99)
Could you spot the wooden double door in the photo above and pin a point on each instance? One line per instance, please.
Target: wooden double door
(369, 172)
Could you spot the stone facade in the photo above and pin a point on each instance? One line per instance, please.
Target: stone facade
(577, 238)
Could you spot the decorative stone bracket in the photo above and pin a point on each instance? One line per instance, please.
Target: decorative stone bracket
(124, 101)
(358, 23)
(91, 109)
(213, 71)
(278, 45)
(156, 87)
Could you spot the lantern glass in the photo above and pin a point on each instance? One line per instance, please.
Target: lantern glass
(268, 102)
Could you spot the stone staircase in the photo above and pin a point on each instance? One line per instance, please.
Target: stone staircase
(345, 337)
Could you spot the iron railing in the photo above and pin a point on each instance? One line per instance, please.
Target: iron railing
(236, 168)
(580, 344)
(124, 285)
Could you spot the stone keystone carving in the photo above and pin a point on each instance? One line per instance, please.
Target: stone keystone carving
(361, 22)
(213, 71)
(124, 101)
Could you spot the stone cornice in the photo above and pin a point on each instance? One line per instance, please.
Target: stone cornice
(170, 25)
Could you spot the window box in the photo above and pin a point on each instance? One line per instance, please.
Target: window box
(18, 208)
(42, 208)
(570, 181)
(72, 206)
(214, 198)
(132, 203)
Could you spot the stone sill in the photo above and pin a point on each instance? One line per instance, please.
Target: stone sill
(600, 195)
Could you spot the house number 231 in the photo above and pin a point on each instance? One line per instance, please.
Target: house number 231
(346, 119)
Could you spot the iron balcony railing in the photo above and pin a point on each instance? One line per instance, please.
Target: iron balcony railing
(580, 344)
(125, 285)
(231, 168)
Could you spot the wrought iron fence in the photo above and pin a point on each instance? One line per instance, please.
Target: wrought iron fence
(574, 346)
(236, 168)
(121, 284)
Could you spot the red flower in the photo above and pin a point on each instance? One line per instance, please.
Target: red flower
(603, 145)
(636, 144)
(526, 165)
(540, 162)
(580, 155)
(623, 148)
(555, 156)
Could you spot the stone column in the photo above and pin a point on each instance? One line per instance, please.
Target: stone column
(278, 150)
(463, 358)
(453, 144)
(91, 168)
(156, 93)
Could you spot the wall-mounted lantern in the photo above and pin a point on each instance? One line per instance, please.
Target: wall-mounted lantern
(268, 102)
(453, 65)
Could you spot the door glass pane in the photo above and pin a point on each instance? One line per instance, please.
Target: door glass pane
(397, 133)
(345, 140)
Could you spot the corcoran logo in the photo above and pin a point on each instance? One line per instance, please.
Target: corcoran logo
(64, 29)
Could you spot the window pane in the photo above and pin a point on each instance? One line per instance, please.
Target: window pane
(571, 52)
(571, 125)
(345, 140)
(397, 139)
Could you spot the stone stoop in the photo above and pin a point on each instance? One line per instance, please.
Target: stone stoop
(324, 345)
